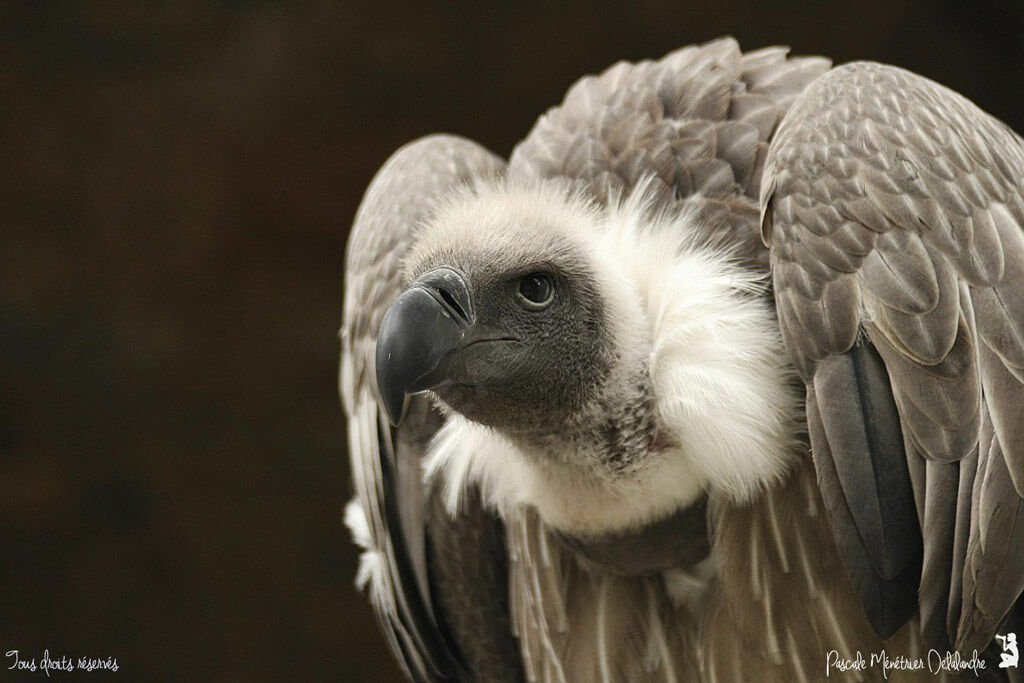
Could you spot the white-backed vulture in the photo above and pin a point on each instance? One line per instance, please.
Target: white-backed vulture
(719, 377)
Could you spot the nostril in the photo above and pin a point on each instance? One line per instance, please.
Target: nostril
(451, 292)
(453, 304)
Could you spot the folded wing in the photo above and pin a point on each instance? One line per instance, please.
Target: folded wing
(438, 583)
(893, 209)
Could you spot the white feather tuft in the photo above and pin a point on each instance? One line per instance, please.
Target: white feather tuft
(687, 588)
(466, 453)
(371, 562)
(722, 380)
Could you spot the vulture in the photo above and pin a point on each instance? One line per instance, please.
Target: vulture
(718, 377)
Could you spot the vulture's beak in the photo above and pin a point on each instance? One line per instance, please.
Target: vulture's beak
(425, 325)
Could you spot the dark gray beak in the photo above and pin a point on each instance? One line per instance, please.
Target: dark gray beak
(424, 325)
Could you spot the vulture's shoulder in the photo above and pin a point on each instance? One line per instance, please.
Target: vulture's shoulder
(699, 119)
(697, 122)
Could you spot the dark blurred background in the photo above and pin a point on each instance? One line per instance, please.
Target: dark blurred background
(176, 185)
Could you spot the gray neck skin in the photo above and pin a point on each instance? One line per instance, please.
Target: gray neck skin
(618, 431)
(611, 435)
(679, 541)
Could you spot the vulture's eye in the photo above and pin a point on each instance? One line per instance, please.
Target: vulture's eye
(536, 290)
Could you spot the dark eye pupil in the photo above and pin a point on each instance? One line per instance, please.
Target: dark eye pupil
(536, 288)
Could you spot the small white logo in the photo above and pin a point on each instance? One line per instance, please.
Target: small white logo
(1010, 655)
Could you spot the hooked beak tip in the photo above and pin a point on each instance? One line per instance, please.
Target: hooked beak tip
(395, 405)
(423, 325)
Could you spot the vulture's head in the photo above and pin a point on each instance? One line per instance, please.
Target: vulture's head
(596, 363)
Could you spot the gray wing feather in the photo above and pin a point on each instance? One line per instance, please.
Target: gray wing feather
(961, 536)
(942, 482)
(471, 592)
(698, 120)
(994, 565)
(386, 463)
(894, 211)
(880, 497)
(858, 454)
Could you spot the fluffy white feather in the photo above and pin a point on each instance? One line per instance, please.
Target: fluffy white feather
(688, 587)
(698, 321)
(371, 563)
(722, 380)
